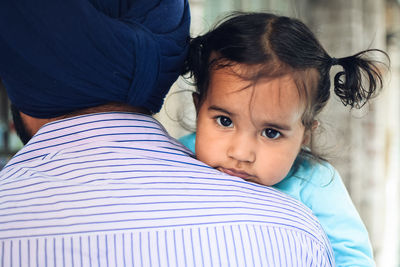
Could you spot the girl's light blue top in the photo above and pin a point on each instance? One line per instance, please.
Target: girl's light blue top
(319, 186)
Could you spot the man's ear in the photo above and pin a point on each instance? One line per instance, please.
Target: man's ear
(196, 99)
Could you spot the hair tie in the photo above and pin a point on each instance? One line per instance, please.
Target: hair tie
(334, 61)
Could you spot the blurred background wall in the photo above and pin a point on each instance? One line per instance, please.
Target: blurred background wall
(363, 145)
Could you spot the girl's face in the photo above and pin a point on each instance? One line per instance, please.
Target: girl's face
(250, 131)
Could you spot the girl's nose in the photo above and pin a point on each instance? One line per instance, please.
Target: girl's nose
(242, 149)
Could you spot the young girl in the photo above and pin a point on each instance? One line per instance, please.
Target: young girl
(261, 81)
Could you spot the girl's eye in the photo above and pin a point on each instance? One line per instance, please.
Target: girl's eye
(224, 121)
(271, 133)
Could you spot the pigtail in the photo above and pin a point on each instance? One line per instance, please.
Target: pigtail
(360, 80)
(197, 64)
(194, 63)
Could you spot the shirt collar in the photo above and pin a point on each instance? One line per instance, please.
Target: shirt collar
(122, 127)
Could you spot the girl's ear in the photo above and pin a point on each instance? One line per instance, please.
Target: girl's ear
(196, 99)
(314, 125)
(308, 133)
(306, 138)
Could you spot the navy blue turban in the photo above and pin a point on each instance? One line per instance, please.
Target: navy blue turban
(59, 56)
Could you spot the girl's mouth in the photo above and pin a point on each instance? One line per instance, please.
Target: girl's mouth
(237, 173)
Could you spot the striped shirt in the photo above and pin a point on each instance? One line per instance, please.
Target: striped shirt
(114, 189)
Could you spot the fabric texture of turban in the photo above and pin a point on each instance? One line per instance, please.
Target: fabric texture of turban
(59, 56)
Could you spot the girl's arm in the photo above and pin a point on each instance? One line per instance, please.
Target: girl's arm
(320, 187)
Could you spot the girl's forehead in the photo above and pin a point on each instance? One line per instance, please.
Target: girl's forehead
(226, 86)
(303, 81)
(241, 77)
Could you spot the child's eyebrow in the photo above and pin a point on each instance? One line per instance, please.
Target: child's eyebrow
(216, 108)
(278, 126)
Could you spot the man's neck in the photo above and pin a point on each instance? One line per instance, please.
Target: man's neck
(33, 124)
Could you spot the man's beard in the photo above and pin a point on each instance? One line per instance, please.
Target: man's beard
(20, 127)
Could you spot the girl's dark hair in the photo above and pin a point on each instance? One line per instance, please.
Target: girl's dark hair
(278, 45)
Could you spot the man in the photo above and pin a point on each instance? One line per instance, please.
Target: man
(100, 182)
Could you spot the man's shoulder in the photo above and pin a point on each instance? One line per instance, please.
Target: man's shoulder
(179, 183)
(119, 191)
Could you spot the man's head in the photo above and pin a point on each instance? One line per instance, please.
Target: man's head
(59, 57)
